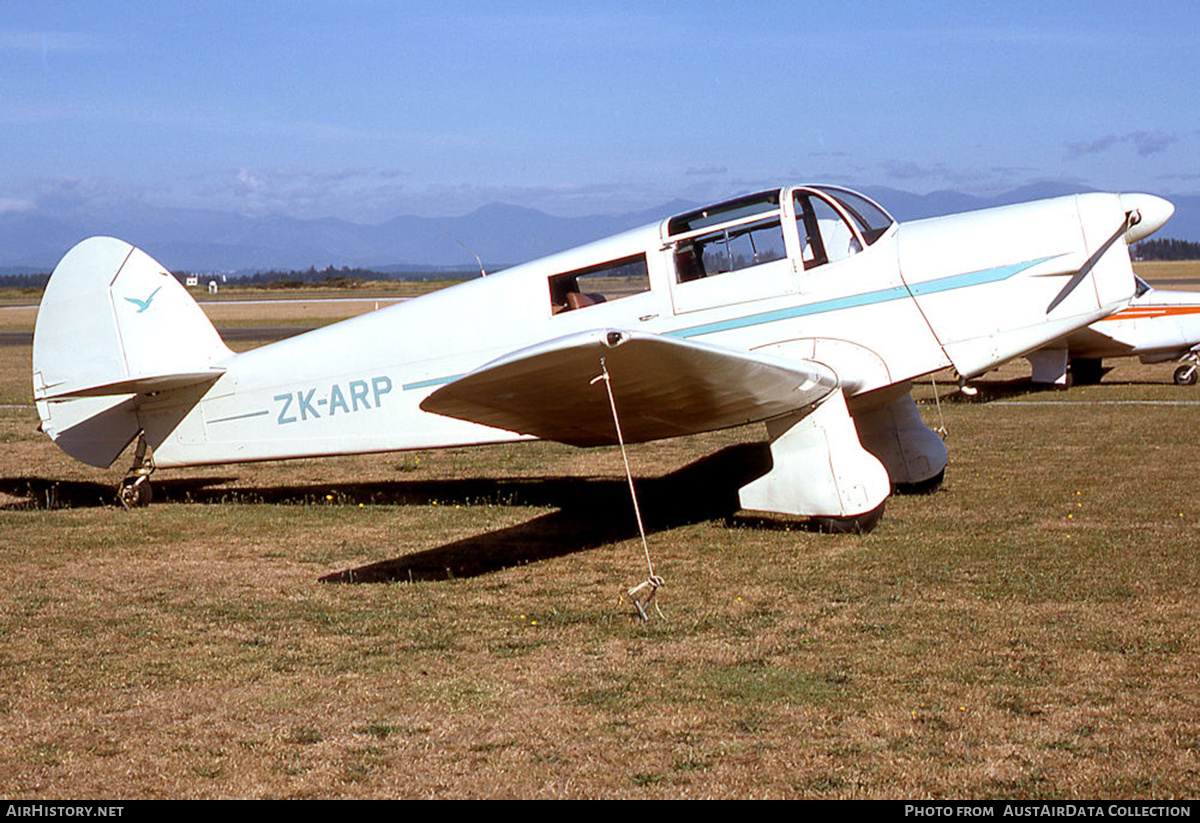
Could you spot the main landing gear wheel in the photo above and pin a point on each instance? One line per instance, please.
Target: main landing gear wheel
(1186, 375)
(858, 524)
(928, 486)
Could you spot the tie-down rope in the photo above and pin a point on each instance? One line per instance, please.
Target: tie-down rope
(643, 594)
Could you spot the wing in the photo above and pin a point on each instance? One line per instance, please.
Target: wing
(663, 387)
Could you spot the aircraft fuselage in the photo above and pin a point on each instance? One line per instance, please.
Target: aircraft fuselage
(792, 273)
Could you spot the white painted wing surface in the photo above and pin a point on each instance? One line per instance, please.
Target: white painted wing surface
(663, 387)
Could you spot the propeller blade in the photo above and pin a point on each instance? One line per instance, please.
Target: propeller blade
(1132, 218)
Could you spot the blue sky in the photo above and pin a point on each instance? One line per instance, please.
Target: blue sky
(367, 110)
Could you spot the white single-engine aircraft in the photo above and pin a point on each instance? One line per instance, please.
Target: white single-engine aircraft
(807, 307)
(1158, 326)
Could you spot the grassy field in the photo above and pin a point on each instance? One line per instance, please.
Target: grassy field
(1030, 630)
(1171, 274)
(240, 306)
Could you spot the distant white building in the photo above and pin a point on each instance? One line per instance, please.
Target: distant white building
(192, 280)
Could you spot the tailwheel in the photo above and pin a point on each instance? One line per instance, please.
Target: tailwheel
(1186, 375)
(135, 492)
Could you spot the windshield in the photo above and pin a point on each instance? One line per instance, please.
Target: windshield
(872, 220)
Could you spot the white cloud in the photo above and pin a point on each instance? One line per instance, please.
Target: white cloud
(1145, 143)
(13, 205)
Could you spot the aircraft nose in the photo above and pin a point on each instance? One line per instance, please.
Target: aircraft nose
(1153, 211)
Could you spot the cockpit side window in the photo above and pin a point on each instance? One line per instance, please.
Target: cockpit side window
(730, 249)
(599, 284)
(727, 212)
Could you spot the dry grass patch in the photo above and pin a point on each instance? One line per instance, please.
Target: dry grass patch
(1170, 274)
(1029, 630)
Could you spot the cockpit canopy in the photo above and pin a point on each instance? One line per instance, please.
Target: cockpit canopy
(832, 224)
(865, 212)
(781, 230)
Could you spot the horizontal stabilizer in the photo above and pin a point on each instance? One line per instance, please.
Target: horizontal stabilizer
(149, 384)
(663, 387)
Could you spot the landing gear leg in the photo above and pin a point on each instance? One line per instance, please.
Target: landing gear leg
(890, 427)
(1186, 374)
(820, 470)
(135, 490)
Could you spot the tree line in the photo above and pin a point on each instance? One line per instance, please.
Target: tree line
(330, 276)
(1166, 248)
(344, 277)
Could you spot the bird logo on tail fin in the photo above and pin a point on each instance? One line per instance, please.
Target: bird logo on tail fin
(143, 304)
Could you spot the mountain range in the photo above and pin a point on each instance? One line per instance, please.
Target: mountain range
(499, 234)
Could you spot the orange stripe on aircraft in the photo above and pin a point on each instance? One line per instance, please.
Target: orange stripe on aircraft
(1148, 312)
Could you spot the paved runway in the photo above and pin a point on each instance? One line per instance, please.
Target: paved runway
(236, 333)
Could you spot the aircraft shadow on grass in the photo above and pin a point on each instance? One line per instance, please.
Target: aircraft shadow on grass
(1000, 390)
(989, 390)
(44, 493)
(589, 513)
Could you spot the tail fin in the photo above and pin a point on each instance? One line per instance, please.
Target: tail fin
(113, 326)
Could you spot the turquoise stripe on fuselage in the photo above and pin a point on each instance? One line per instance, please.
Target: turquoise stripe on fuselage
(956, 281)
(437, 381)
